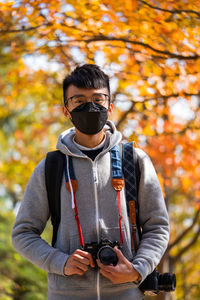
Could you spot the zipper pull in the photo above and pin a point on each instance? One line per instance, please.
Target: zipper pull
(95, 175)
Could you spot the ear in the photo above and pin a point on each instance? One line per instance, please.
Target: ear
(66, 113)
(110, 109)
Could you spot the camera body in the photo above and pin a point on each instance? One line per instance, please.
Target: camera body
(156, 282)
(103, 251)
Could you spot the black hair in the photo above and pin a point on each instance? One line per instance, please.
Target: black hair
(87, 76)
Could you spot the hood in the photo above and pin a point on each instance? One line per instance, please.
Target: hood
(66, 145)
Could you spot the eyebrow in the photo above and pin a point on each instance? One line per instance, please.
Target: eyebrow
(78, 95)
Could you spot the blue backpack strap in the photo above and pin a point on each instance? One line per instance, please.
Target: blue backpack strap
(117, 175)
(71, 174)
(116, 162)
(117, 181)
(132, 176)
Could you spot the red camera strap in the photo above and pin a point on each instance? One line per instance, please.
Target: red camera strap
(72, 185)
(78, 222)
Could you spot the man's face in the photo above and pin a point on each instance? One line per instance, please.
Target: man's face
(74, 93)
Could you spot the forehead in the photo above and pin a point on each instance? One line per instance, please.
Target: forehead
(74, 90)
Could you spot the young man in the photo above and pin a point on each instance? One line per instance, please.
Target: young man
(72, 272)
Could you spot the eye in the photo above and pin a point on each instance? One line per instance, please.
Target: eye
(79, 100)
(98, 98)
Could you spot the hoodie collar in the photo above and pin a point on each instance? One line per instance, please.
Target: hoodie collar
(66, 145)
(83, 148)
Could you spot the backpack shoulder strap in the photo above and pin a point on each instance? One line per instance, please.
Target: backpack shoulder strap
(131, 172)
(54, 168)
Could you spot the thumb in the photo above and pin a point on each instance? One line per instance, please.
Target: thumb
(119, 254)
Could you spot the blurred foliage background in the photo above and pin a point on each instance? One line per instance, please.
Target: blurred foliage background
(150, 50)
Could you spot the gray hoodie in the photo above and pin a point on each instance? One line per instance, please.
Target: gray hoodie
(98, 213)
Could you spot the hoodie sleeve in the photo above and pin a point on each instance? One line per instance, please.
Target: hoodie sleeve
(30, 223)
(153, 219)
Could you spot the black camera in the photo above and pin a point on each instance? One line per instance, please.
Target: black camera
(103, 251)
(156, 282)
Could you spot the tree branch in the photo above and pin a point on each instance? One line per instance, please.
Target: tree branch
(13, 197)
(22, 29)
(174, 11)
(106, 38)
(182, 235)
(124, 116)
(164, 97)
(145, 45)
(175, 258)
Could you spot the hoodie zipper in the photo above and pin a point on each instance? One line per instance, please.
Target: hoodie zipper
(96, 199)
(94, 168)
(95, 178)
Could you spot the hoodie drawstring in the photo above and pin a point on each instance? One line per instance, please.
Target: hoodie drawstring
(71, 186)
(117, 183)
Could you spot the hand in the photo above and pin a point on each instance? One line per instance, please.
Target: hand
(78, 263)
(123, 272)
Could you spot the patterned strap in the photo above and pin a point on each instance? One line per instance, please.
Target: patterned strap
(129, 172)
(131, 189)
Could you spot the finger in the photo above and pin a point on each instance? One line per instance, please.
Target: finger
(119, 254)
(72, 270)
(108, 268)
(82, 259)
(81, 252)
(107, 275)
(78, 271)
(86, 255)
(100, 265)
(92, 264)
(81, 266)
(111, 276)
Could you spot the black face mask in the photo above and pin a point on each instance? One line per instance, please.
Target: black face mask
(89, 117)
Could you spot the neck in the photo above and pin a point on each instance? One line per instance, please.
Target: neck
(89, 141)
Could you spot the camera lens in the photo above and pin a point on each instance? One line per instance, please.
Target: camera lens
(167, 282)
(107, 256)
